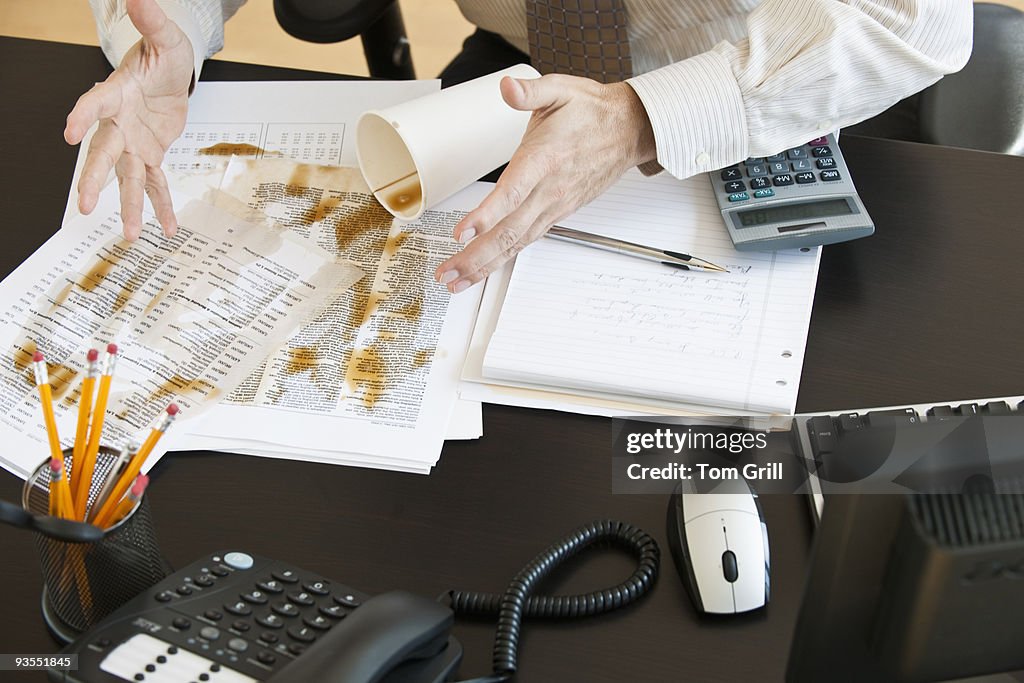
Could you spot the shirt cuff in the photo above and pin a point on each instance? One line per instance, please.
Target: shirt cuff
(697, 113)
(124, 34)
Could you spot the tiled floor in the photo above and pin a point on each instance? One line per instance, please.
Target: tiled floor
(436, 31)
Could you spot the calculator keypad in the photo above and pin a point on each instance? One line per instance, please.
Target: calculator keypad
(756, 177)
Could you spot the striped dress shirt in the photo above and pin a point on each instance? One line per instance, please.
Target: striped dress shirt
(721, 80)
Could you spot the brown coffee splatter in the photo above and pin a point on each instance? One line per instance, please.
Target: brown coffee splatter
(365, 377)
(422, 357)
(94, 278)
(301, 359)
(355, 221)
(176, 385)
(412, 310)
(227, 149)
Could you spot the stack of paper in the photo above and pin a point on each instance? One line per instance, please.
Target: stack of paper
(574, 328)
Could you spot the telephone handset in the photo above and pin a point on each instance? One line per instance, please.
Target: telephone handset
(237, 618)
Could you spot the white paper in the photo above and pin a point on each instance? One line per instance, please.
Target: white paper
(192, 315)
(376, 375)
(615, 326)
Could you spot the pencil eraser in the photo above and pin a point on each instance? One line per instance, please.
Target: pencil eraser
(141, 482)
(172, 409)
(92, 355)
(37, 356)
(55, 464)
(111, 349)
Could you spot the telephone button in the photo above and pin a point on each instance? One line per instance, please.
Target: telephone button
(266, 658)
(255, 597)
(181, 623)
(285, 609)
(336, 611)
(304, 599)
(270, 621)
(213, 615)
(209, 633)
(164, 596)
(347, 600)
(270, 586)
(317, 587)
(238, 560)
(239, 609)
(318, 622)
(204, 580)
(238, 645)
(286, 576)
(268, 638)
(241, 626)
(302, 633)
(296, 648)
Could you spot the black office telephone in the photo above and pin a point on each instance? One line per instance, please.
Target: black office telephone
(234, 617)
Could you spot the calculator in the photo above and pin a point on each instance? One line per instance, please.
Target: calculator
(802, 197)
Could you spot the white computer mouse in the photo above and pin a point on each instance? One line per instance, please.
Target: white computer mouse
(720, 544)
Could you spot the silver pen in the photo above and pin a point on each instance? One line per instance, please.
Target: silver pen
(669, 258)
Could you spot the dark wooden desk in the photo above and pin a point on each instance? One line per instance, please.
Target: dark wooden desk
(928, 309)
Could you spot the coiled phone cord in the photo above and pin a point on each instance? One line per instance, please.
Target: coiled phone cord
(516, 602)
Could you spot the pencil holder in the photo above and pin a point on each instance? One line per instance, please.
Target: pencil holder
(84, 582)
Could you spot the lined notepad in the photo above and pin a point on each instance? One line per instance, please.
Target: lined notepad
(582, 319)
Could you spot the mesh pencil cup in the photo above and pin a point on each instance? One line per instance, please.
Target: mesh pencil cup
(84, 582)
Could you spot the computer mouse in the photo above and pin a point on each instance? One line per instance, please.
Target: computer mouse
(719, 541)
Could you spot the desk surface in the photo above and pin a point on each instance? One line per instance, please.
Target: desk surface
(929, 309)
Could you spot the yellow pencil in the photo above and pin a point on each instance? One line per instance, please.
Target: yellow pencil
(128, 503)
(106, 512)
(84, 412)
(83, 470)
(46, 398)
(60, 494)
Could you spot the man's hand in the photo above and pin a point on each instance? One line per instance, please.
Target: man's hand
(581, 138)
(141, 108)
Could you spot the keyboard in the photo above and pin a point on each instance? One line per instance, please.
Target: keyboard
(821, 435)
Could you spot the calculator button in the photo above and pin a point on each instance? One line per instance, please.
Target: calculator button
(760, 183)
(255, 597)
(302, 633)
(271, 586)
(756, 170)
(775, 157)
(738, 197)
(753, 160)
(796, 153)
(996, 408)
(818, 141)
(806, 177)
(826, 162)
(270, 621)
(286, 576)
(783, 179)
(830, 175)
(731, 174)
(239, 609)
(735, 186)
(967, 409)
(778, 167)
(303, 598)
(821, 151)
(285, 609)
(761, 194)
(801, 165)
(940, 413)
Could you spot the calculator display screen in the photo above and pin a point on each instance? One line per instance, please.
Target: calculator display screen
(794, 212)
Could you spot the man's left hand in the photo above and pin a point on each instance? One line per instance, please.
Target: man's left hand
(581, 138)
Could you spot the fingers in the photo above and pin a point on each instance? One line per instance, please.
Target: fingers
(102, 101)
(530, 94)
(160, 197)
(104, 151)
(131, 176)
(508, 237)
(516, 183)
(153, 24)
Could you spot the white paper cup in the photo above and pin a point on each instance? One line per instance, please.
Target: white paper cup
(421, 152)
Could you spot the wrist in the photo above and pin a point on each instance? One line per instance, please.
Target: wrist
(638, 131)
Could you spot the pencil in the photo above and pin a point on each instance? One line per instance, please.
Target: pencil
(46, 398)
(84, 412)
(88, 464)
(129, 501)
(129, 447)
(60, 494)
(106, 512)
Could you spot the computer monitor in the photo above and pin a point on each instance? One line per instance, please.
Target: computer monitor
(913, 588)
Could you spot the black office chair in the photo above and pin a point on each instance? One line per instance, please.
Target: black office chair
(982, 106)
(377, 22)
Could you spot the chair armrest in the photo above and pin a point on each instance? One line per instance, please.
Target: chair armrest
(328, 21)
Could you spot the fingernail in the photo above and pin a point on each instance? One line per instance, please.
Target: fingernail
(467, 235)
(449, 276)
(460, 286)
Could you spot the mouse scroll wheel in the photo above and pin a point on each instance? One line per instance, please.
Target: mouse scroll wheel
(729, 568)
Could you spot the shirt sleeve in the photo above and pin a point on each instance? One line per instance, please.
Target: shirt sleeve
(806, 68)
(202, 21)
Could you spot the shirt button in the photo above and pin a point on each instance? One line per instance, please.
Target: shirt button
(702, 159)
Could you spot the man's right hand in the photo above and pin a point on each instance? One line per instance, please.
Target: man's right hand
(141, 110)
